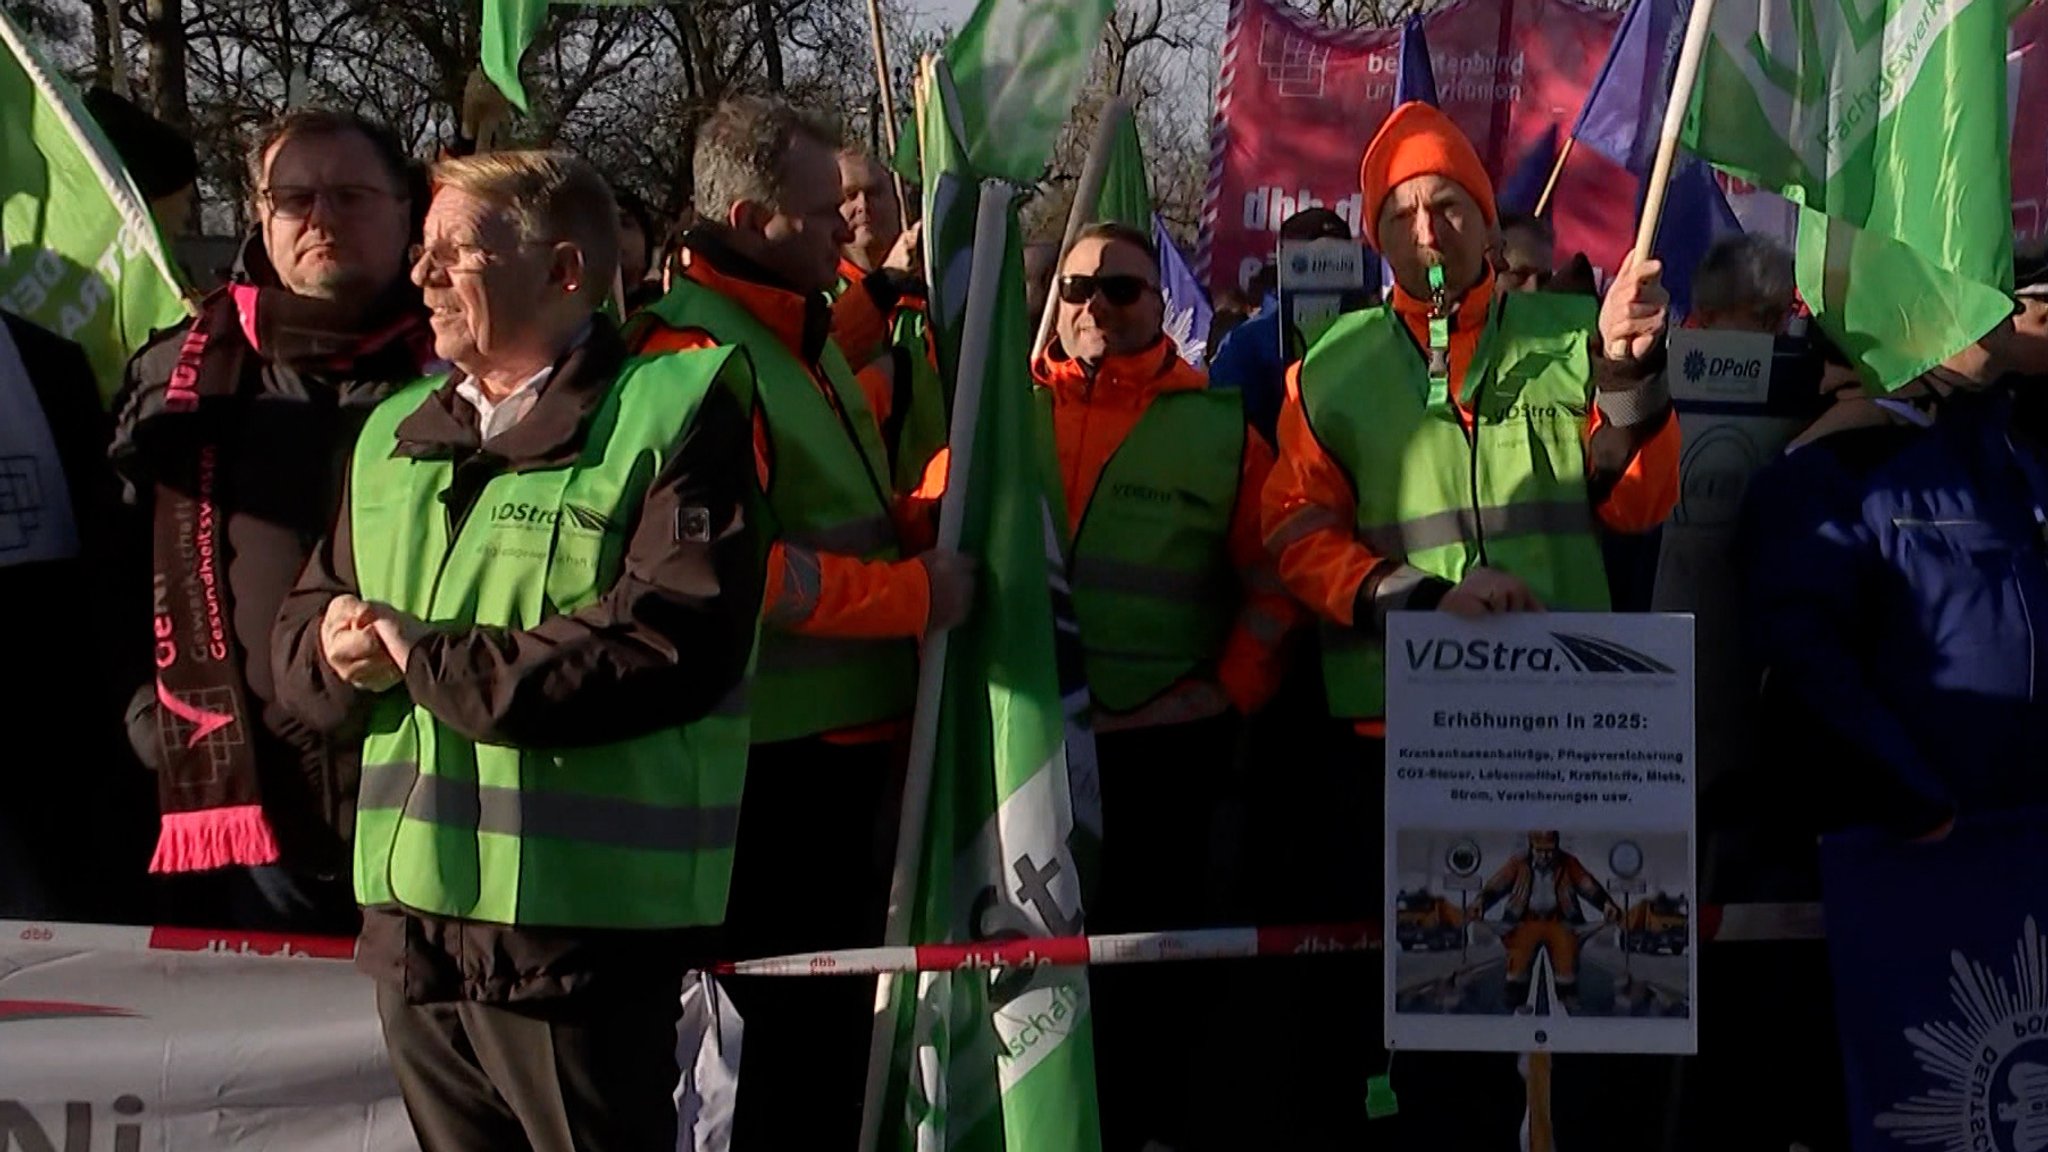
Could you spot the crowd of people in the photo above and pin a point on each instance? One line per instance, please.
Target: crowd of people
(558, 642)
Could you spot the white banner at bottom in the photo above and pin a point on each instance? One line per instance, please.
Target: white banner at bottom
(169, 1040)
(142, 1040)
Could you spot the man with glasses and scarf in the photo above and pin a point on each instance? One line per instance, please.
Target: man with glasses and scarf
(232, 435)
(1182, 620)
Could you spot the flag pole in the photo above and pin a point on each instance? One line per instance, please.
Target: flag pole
(1556, 170)
(1675, 109)
(1085, 197)
(984, 286)
(887, 95)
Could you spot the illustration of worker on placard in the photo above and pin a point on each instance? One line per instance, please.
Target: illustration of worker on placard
(1543, 888)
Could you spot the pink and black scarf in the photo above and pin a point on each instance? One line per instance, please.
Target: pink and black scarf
(209, 785)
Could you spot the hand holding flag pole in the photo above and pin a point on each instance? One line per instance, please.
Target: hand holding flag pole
(1675, 109)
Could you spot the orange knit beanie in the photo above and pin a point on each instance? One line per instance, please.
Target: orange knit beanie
(1419, 140)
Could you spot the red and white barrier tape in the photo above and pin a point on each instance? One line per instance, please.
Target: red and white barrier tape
(1745, 923)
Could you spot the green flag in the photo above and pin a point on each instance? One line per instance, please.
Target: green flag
(1018, 65)
(1884, 120)
(1126, 195)
(999, 1061)
(509, 27)
(80, 254)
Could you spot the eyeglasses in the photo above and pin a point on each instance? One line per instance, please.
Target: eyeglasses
(449, 256)
(1120, 291)
(296, 202)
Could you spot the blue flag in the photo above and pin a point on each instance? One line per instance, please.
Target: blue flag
(1416, 79)
(1941, 985)
(1524, 186)
(1622, 115)
(1696, 214)
(1188, 314)
(1624, 108)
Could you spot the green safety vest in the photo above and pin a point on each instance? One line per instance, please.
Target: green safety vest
(1153, 585)
(634, 834)
(828, 493)
(921, 425)
(1432, 497)
(922, 429)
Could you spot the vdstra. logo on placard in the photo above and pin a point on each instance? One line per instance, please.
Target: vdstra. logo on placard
(1569, 654)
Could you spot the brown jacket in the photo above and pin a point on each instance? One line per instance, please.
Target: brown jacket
(666, 644)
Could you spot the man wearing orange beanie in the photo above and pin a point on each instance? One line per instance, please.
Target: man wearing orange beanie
(1488, 436)
(1462, 448)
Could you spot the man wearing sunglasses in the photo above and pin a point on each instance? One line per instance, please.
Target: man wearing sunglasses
(1181, 618)
(232, 435)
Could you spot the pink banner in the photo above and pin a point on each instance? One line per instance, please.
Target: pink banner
(1298, 102)
(2027, 80)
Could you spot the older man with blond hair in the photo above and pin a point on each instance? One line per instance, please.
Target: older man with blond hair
(535, 613)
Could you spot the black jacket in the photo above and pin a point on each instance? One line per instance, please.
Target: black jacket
(285, 451)
(85, 815)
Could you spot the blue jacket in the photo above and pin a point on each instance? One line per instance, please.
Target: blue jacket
(1249, 360)
(1896, 595)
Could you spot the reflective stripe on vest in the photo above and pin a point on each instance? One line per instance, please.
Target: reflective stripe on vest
(1153, 585)
(1434, 499)
(828, 492)
(634, 834)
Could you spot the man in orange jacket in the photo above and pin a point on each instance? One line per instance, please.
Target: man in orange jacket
(1182, 620)
(1462, 448)
(845, 606)
(902, 382)
(1587, 397)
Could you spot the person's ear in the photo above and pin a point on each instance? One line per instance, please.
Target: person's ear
(749, 216)
(567, 268)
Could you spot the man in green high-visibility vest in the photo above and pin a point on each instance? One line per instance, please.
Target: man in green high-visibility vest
(1462, 449)
(536, 613)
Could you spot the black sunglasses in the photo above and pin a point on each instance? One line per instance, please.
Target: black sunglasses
(1120, 291)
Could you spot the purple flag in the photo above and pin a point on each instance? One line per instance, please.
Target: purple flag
(1524, 186)
(1621, 118)
(1188, 314)
(1416, 79)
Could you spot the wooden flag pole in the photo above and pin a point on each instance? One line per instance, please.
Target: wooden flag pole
(1536, 1072)
(888, 99)
(1556, 170)
(1083, 210)
(1675, 108)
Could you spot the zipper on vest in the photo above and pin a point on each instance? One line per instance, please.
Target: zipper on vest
(1439, 355)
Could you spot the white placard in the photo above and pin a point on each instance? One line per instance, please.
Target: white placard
(1545, 763)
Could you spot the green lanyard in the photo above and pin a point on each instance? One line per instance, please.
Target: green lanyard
(1439, 341)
